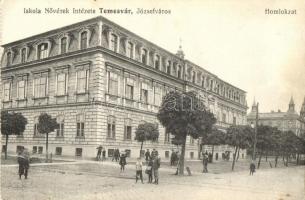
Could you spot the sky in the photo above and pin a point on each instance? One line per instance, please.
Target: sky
(234, 39)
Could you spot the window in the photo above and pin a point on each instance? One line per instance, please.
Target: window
(167, 136)
(224, 117)
(63, 45)
(8, 58)
(40, 150)
(191, 155)
(34, 149)
(191, 140)
(234, 120)
(157, 96)
(58, 151)
(78, 152)
(40, 86)
(211, 85)
(19, 148)
(128, 152)
(129, 91)
(129, 50)
(36, 129)
(166, 154)
(202, 81)
(157, 62)
(128, 129)
(60, 130)
(144, 95)
(110, 152)
(168, 67)
(23, 55)
(113, 42)
(144, 56)
(82, 81)
(113, 87)
(194, 77)
(83, 40)
(61, 84)
(80, 125)
(179, 71)
(21, 90)
(42, 51)
(111, 127)
(7, 91)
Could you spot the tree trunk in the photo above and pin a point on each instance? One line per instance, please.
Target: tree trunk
(237, 155)
(259, 161)
(141, 148)
(266, 156)
(47, 142)
(212, 153)
(298, 158)
(6, 142)
(181, 161)
(234, 157)
(287, 160)
(276, 158)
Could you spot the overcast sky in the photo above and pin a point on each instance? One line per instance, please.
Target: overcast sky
(234, 39)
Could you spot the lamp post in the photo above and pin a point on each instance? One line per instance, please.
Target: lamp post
(255, 134)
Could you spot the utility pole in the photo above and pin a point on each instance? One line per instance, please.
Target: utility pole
(255, 134)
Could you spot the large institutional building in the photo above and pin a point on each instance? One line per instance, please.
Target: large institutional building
(100, 81)
(284, 121)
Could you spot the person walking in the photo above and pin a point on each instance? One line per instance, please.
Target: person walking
(24, 163)
(205, 161)
(252, 168)
(117, 155)
(104, 155)
(139, 173)
(156, 166)
(122, 161)
(147, 155)
(149, 171)
(99, 152)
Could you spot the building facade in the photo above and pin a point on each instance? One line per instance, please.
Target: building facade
(284, 121)
(100, 81)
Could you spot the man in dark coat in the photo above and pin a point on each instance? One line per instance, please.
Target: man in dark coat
(23, 161)
(156, 166)
(252, 168)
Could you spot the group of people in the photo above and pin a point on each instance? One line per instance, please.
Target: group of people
(23, 159)
(153, 163)
(174, 159)
(100, 151)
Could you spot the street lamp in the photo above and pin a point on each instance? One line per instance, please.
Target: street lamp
(255, 133)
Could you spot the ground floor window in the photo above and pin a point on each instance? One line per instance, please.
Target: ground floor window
(128, 152)
(78, 152)
(34, 149)
(19, 148)
(40, 150)
(166, 154)
(110, 152)
(58, 151)
(191, 155)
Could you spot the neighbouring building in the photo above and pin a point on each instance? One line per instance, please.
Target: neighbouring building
(100, 81)
(284, 121)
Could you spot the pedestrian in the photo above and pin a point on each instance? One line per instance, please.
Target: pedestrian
(205, 161)
(23, 161)
(148, 170)
(210, 156)
(252, 168)
(114, 155)
(156, 166)
(147, 155)
(104, 155)
(139, 173)
(122, 161)
(99, 152)
(153, 153)
(173, 158)
(117, 155)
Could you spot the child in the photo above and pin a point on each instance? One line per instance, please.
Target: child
(139, 165)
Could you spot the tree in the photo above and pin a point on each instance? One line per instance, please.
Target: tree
(215, 137)
(184, 114)
(145, 132)
(240, 137)
(46, 125)
(264, 141)
(12, 124)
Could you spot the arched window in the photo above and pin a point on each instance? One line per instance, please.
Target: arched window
(63, 45)
(113, 42)
(83, 40)
(179, 72)
(129, 50)
(144, 56)
(128, 129)
(168, 67)
(43, 51)
(23, 55)
(157, 62)
(111, 127)
(61, 122)
(80, 125)
(8, 58)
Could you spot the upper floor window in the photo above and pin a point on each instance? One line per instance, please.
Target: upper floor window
(194, 77)
(179, 71)
(63, 45)
(114, 42)
(157, 62)
(144, 93)
(234, 120)
(129, 50)
(211, 85)
(129, 91)
(82, 81)
(168, 67)
(23, 55)
(224, 117)
(157, 96)
(43, 50)
(83, 40)
(40, 86)
(111, 127)
(144, 56)
(80, 125)
(127, 129)
(7, 91)
(8, 58)
(167, 136)
(61, 127)
(113, 85)
(202, 81)
(61, 84)
(21, 89)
